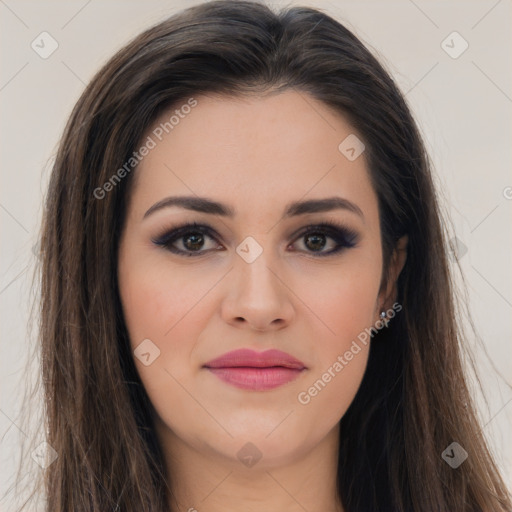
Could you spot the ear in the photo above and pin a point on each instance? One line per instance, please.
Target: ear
(388, 293)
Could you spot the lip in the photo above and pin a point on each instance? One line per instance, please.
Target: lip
(257, 371)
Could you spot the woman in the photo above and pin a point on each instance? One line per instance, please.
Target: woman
(246, 302)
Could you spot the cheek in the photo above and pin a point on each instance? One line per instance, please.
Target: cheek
(157, 306)
(157, 301)
(164, 308)
(346, 304)
(345, 300)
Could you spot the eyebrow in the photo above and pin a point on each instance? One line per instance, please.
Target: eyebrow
(205, 205)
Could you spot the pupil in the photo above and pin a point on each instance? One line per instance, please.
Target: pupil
(314, 242)
(195, 244)
(318, 241)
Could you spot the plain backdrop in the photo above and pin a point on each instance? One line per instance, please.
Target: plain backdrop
(463, 104)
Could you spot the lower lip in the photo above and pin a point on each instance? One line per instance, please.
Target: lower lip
(256, 379)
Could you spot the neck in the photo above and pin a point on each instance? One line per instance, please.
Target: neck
(210, 481)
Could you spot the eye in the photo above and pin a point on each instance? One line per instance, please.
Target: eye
(191, 238)
(315, 238)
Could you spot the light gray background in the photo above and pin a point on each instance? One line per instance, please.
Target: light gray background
(463, 106)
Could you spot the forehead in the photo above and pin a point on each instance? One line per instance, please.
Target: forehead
(254, 153)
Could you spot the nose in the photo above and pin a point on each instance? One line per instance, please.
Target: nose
(258, 297)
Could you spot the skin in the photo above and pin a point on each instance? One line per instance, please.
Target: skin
(256, 155)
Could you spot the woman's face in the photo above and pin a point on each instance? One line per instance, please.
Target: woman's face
(251, 275)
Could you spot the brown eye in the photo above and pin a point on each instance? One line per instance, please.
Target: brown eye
(188, 240)
(193, 242)
(327, 239)
(315, 242)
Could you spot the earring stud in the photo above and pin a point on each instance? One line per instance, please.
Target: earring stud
(383, 315)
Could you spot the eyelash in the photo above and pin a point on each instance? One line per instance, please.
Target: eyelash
(344, 237)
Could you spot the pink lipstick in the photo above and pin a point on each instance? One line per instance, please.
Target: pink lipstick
(257, 371)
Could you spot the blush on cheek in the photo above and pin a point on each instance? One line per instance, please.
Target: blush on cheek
(152, 306)
(341, 352)
(350, 308)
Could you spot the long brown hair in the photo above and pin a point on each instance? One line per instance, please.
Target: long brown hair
(413, 401)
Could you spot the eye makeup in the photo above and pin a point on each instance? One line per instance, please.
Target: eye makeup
(343, 237)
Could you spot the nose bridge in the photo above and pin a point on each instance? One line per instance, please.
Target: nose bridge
(256, 292)
(255, 263)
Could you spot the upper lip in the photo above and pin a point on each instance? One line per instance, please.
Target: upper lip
(250, 358)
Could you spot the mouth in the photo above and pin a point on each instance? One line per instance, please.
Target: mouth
(256, 371)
